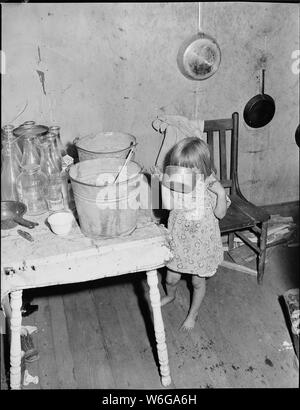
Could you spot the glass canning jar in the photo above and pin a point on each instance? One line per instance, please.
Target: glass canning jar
(32, 186)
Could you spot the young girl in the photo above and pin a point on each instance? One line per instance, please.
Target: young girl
(196, 244)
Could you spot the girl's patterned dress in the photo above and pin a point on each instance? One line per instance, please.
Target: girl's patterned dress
(196, 244)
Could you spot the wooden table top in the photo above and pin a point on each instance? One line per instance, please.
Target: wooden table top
(51, 259)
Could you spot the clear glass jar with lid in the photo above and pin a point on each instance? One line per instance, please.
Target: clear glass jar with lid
(49, 167)
(32, 186)
(29, 128)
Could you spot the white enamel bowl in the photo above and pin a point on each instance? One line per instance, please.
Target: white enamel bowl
(61, 222)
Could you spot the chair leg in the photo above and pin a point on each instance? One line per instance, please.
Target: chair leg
(230, 240)
(262, 254)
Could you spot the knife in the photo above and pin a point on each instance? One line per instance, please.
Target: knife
(25, 235)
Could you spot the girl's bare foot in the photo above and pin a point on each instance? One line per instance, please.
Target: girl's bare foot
(171, 287)
(198, 294)
(166, 299)
(189, 323)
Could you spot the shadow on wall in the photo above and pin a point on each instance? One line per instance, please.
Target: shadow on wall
(72, 151)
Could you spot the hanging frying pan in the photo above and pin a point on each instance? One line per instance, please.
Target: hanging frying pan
(199, 56)
(260, 110)
(297, 136)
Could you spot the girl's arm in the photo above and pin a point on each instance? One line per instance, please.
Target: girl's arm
(222, 203)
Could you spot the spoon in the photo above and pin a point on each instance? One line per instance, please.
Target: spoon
(128, 157)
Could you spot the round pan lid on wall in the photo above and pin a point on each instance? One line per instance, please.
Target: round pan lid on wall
(199, 56)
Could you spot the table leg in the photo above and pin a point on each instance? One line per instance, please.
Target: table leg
(15, 339)
(159, 328)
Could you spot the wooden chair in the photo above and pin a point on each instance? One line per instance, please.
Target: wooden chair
(241, 214)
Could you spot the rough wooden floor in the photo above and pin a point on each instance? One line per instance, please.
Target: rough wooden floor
(99, 334)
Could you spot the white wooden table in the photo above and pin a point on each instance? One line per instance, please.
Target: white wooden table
(54, 260)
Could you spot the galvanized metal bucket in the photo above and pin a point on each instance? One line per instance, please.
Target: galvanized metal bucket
(106, 209)
(104, 145)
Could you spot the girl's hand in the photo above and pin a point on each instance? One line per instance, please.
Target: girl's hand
(216, 187)
(221, 205)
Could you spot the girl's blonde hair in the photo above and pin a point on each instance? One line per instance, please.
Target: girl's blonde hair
(191, 152)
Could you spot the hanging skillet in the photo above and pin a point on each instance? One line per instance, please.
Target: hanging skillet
(260, 110)
(297, 136)
(199, 56)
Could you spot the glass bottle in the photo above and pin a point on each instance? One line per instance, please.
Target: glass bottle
(54, 150)
(32, 188)
(7, 133)
(9, 171)
(56, 130)
(30, 153)
(54, 189)
(48, 166)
